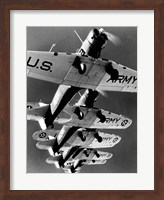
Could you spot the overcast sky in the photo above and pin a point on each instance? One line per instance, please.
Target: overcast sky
(124, 158)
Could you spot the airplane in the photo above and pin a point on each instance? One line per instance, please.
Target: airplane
(74, 136)
(37, 111)
(70, 143)
(83, 69)
(51, 113)
(88, 138)
(74, 166)
(94, 139)
(62, 96)
(80, 116)
(72, 154)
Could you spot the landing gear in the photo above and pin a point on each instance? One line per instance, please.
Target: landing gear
(111, 71)
(86, 153)
(99, 139)
(79, 113)
(82, 68)
(101, 116)
(73, 170)
(97, 155)
(81, 163)
(79, 65)
(81, 136)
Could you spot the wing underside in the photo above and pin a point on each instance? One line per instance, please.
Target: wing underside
(58, 68)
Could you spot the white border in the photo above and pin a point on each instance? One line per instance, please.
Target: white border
(144, 179)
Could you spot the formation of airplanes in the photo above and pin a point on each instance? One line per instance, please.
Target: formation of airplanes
(79, 140)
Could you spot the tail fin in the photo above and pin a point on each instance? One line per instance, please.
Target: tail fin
(44, 135)
(37, 110)
(37, 114)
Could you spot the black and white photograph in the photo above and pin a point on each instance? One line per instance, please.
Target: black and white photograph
(81, 99)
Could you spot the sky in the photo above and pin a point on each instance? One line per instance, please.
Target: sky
(124, 158)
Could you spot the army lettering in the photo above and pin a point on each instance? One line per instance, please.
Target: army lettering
(107, 138)
(103, 155)
(112, 120)
(115, 120)
(124, 79)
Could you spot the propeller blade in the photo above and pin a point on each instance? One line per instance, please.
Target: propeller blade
(103, 93)
(114, 39)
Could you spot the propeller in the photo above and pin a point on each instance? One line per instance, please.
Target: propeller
(103, 93)
(113, 38)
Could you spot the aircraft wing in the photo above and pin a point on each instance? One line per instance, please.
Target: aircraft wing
(62, 96)
(125, 82)
(92, 154)
(82, 137)
(108, 140)
(94, 118)
(36, 109)
(100, 74)
(93, 139)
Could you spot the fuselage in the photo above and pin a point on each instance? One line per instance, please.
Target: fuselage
(93, 44)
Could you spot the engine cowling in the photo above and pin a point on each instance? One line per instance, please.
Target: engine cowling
(94, 43)
(91, 98)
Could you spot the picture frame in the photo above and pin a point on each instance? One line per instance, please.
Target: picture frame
(6, 7)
